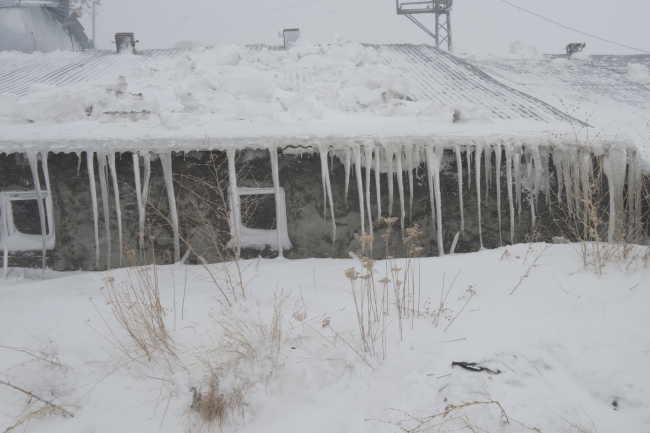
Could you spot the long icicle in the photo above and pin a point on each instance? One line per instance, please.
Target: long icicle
(48, 199)
(348, 156)
(367, 149)
(497, 185)
(138, 197)
(477, 161)
(33, 163)
(78, 162)
(508, 147)
(116, 193)
(557, 161)
(468, 152)
(377, 182)
(400, 186)
(235, 204)
(434, 156)
(103, 182)
(278, 204)
(517, 166)
(391, 174)
(459, 168)
(166, 161)
(357, 169)
(488, 170)
(90, 157)
(409, 159)
(328, 188)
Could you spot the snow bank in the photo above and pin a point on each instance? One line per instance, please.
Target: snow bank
(233, 83)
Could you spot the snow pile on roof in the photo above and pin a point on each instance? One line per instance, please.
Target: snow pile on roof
(234, 83)
(522, 48)
(636, 71)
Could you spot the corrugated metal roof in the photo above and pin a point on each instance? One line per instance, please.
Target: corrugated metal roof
(597, 82)
(18, 71)
(434, 75)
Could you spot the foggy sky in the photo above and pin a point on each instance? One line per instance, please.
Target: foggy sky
(478, 25)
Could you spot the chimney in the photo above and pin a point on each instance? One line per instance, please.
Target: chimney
(290, 36)
(125, 43)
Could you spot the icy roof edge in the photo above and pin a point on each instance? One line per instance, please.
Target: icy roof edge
(308, 144)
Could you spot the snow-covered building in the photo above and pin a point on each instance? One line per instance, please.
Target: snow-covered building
(326, 139)
(40, 26)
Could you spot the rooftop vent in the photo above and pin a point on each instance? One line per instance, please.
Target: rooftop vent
(290, 37)
(125, 43)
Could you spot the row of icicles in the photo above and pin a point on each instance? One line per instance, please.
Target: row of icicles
(574, 168)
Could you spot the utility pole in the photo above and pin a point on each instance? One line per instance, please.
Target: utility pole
(440, 8)
(94, 44)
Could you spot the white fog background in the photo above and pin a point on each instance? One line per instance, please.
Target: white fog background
(478, 25)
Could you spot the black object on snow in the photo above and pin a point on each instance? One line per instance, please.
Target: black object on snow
(472, 366)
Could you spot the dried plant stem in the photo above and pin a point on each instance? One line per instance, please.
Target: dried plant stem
(35, 397)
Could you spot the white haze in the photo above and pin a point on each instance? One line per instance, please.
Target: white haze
(479, 25)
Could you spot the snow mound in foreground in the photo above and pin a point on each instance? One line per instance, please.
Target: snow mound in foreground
(234, 83)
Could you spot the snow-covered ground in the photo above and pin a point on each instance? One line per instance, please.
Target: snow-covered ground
(571, 347)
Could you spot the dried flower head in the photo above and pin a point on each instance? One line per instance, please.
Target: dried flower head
(326, 322)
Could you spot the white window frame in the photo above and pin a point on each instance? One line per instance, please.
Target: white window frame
(248, 237)
(12, 239)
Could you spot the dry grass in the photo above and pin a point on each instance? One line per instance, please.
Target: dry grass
(246, 349)
(36, 407)
(452, 418)
(574, 422)
(135, 305)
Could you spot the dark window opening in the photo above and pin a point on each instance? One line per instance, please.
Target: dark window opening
(258, 211)
(26, 217)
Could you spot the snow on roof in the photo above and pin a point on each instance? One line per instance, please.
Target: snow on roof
(611, 92)
(256, 96)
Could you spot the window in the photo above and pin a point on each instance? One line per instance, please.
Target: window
(21, 222)
(257, 226)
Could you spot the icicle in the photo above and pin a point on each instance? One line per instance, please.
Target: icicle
(377, 182)
(166, 161)
(544, 153)
(33, 163)
(90, 156)
(517, 167)
(568, 183)
(529, 172)
(534, 169)
(138, 197)
(614, 166)
(391, 174)
(368, 154)
(431, 187)
(488, 170)
(477, 161)
(468, 153)
(347, 173)
(78, 162)
(452, 250)
(434, 157)
(575, 179)
(585, 163)
(557, 161)
(328, 189)
(357, 169)
(409, 160)
(235, 203)
(103, 183)
(48, 199)
(459, 167)
(276, 185)
(400, 186)
(497, 150)
(324, 195)
(510, 200)
(116, 193)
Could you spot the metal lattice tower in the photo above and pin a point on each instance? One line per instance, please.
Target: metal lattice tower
(442, 11)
